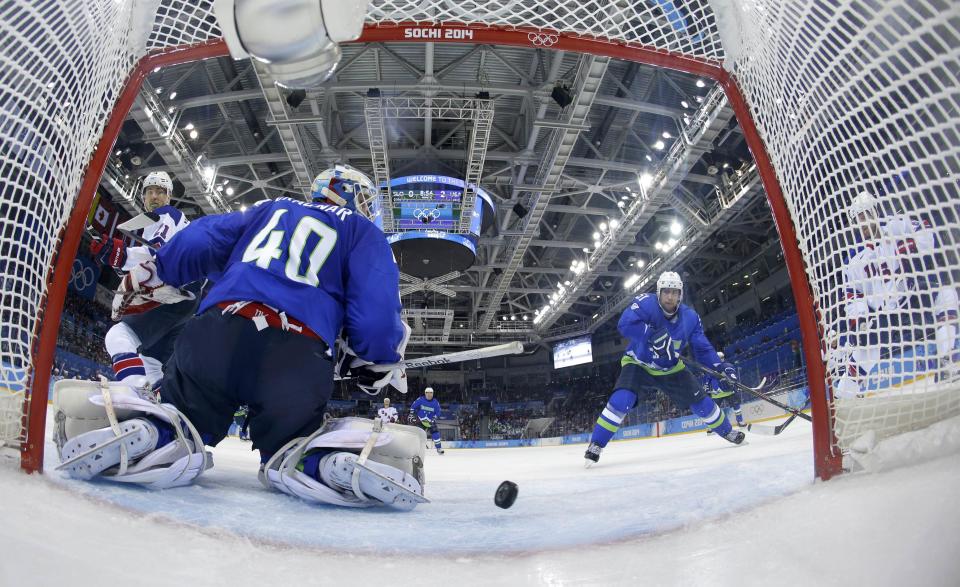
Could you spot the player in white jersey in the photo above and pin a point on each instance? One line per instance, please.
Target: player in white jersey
(891, 287)
(387, 414)
(142, 341)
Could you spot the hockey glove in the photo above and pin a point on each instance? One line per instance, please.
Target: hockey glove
(729, 374)
(108, 251)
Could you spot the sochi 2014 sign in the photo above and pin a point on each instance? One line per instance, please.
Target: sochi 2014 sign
(438, 33)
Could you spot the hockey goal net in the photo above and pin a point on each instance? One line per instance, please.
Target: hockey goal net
(835, 99)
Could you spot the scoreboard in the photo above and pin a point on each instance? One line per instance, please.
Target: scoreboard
(426, 219)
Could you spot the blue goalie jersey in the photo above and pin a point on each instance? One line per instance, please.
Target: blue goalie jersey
(321, 264)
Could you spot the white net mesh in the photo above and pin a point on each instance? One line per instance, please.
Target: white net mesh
(849, 96)
(859, 98)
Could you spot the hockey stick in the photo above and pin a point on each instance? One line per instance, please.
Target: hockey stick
(139, 222)
(754, 392)
(773, 430)
(510, 348)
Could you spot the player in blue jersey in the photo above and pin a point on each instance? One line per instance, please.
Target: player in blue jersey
(142, 341)
(291, 277)
(659, 329)
(722, 391)
(425, 411)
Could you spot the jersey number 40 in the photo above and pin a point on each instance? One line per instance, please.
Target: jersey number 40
(266, 247)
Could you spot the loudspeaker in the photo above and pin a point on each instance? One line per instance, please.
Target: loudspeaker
(519, 210)
(561, 95)
(295, 98)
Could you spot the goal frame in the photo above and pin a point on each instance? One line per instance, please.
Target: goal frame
(827, 455)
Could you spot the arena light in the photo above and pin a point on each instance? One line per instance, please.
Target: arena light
(649, 158)
(630, 281)
(659, 145)
(701, 83)
(645, 180)
(641, 263)
(684, 103)
(194, 134)
(658, 245)
(229, 191)
(675, 228)
(525, 317)
(621, 204)
(666, 135)
(614, 223)
(596, 235)
(603, 227)
(189, 126)
(173, 95)
(243, 208)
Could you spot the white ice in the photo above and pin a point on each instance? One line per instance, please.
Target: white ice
(690, 510)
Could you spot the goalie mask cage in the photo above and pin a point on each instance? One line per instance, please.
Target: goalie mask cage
(834, 97)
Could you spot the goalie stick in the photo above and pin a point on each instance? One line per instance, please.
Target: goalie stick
(754, 392)
(510, 348)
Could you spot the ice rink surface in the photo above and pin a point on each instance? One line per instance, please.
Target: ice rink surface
(683, 510)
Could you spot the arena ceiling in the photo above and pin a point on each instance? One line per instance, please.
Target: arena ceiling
(560, 177)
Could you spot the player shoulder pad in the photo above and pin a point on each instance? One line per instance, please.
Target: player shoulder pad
(173, 213)
(900, 225)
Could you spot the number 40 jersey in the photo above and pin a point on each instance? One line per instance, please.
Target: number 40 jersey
(321, 264)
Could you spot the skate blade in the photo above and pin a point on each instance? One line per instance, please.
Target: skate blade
(402, 489)
(96, 449)
(587, 463)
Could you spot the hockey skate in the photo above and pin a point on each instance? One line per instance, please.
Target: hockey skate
(439, 450)
(592, 455)
(734, 436)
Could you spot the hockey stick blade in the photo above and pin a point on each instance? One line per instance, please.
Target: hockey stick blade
(770, 430)
(95, 449)
(139, 222)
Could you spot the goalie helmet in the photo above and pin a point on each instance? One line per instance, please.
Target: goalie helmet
(343, 185)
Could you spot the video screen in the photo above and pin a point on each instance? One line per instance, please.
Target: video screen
(575, 351)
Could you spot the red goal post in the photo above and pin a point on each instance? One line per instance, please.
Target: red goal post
(833, 100)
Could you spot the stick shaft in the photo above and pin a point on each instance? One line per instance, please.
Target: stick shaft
(510, 348)
(747, 389)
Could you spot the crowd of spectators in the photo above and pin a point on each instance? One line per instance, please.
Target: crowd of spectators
(572, 401)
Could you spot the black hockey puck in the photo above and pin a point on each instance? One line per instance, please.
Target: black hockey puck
(506, 494)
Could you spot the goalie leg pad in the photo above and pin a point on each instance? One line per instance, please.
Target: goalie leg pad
(395, 459)
(168, 451)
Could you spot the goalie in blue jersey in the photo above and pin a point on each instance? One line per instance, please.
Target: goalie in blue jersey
(660, 329)
(291, 278)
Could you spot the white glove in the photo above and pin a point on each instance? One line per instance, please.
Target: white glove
(141, 290)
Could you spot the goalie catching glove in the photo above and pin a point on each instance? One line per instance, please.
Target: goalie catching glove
(350, 366)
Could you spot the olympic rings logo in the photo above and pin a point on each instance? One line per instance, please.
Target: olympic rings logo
(542, 39)
(426, 214)
(82, 276)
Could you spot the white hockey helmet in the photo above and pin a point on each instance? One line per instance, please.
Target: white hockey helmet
(720, 354)
(427, 390)
(386, 402)
(160, 179)
(669, 280)
(346, 186)
(862, 202)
